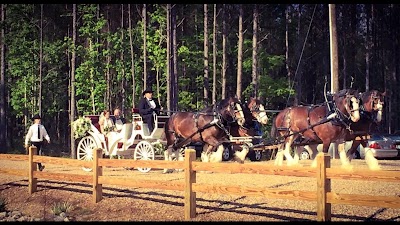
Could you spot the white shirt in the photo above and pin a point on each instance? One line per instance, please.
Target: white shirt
(32, 134)
(152, 103)
(118, 124)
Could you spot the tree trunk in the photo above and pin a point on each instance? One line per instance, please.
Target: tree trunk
(40, 60)
(175, 61)
(254, 56)
(169, 80)
(206, 79)
(214, 55)
(240, 55)
(289, 74)
(73, 59)
(132, 57)
(3, 123)
(368, 46)
(122, 62)
(144, 18)
(224, 60)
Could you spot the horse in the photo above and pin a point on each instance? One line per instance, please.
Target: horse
(371, 107)
(254, 112)
(209, 126)
(326, 123)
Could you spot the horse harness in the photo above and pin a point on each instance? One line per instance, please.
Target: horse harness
(218, 120)
(334, 115)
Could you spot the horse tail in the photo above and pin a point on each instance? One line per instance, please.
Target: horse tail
(166, 128)
(273, 132)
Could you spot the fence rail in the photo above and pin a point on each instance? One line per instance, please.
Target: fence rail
(323, 174)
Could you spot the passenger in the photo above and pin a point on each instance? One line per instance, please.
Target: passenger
(106, 123)
(118, 120)
(148, 106)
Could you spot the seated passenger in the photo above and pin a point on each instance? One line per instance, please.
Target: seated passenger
(106, 123)
(118, 120)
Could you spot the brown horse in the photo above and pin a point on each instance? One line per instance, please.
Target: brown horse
(208, 126)
(371, 106)
(370, 115)
(324, 123)
(254, 112)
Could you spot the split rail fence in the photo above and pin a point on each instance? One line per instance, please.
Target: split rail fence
(323, 195)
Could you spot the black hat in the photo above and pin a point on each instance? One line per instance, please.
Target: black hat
(147, 91)
(37, 116)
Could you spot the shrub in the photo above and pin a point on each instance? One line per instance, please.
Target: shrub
(81, 126)
(60, 207)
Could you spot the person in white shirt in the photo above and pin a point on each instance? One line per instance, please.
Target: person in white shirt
(36, 133)
(118, 120)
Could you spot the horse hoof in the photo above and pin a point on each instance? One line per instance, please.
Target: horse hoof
(167, 171)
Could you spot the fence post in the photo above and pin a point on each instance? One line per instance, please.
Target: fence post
(323, 186)
(97, 171)
(190, 178)
(32, 186)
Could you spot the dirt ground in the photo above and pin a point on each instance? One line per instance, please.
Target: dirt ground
(139, 204)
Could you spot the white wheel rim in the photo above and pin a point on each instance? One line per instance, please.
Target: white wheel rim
(85, 150)
(144, 151)
(258, 155)
(304, 155)
(225, 153)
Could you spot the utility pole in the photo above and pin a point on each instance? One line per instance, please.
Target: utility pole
(334, 49)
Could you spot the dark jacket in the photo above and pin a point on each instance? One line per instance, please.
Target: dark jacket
(144, 107)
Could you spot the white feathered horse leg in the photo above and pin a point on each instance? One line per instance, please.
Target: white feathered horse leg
(343, 155)
(168, 157)
(279, 156)
(240, 156)
(217, 155)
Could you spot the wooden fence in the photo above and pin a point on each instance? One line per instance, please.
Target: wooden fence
(323, 173)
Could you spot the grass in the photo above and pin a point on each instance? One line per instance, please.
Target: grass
(61, 207)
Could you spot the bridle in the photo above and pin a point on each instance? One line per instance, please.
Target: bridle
(349, 99)
(235, 112)
(259, 111)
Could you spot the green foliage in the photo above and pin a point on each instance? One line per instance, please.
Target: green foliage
(81, 126)
(61, 207)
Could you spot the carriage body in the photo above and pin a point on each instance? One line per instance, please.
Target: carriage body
(133, 141)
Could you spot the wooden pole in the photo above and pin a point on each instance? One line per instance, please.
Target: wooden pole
(334, 49)
(32, 186)
(97, 171)
(323, 186)
(190, 178)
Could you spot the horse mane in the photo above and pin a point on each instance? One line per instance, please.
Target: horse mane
(220, 105)
(345, 92)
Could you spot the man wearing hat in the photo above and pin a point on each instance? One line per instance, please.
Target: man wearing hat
(147, 107)
(35, 135)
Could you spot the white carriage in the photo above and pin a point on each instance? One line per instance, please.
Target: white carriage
(133, 141)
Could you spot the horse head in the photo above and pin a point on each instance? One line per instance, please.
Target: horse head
(373, 101)
(231, 110)
(257, 110)
(347, 101)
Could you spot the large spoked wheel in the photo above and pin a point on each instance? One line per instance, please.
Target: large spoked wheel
(144, 151)
(86, 146)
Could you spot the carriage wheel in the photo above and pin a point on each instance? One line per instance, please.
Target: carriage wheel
(144, 151)
(257, 155)
(85, 149)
